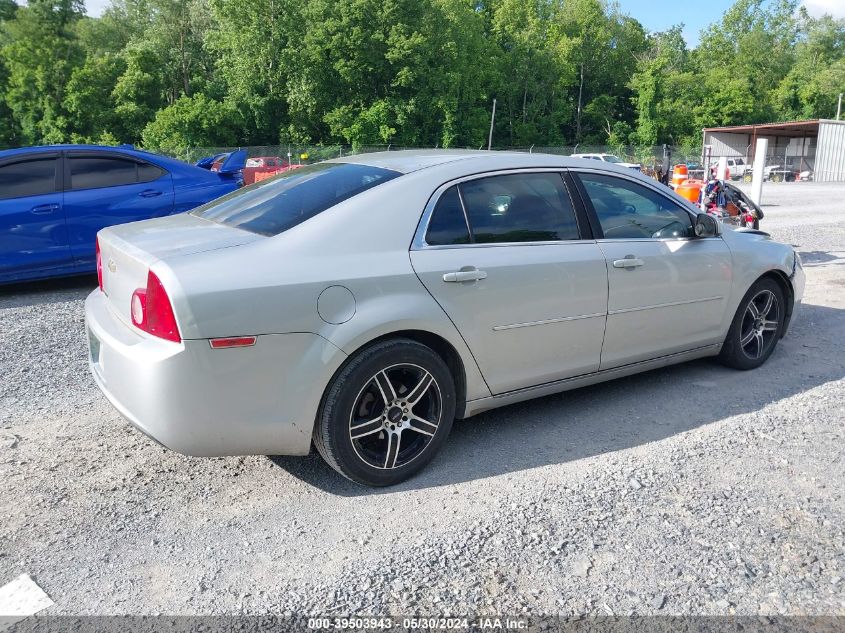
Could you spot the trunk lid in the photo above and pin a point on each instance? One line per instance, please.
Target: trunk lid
(129, 250)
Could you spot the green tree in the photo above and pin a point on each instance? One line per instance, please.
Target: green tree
(89, 100)
(531, 92)
(192, 122)
(255, 42)
(139, 92)
(381, 71)
(598, 48)
(752, 47)
(40, 53)
(811, 87)
(665, 57)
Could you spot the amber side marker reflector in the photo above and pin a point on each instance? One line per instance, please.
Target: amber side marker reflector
(237, 341)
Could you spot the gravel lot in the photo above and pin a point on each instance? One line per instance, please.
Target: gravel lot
(690, 490)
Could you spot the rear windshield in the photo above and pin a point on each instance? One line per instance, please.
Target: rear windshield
(274, 205)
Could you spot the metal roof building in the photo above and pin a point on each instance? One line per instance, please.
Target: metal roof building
(817, 145)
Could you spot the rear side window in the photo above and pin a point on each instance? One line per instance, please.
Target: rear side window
(272, 206)
(148, 172)
(448, 224)
(91, 173)
(519, 208)
(28, 178)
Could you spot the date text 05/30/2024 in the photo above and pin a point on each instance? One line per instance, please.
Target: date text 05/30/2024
(419, 623)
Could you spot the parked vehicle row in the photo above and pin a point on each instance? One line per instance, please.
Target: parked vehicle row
(364, 303)
(54, 199)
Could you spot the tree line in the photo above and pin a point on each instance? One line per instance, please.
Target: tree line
(172, 74)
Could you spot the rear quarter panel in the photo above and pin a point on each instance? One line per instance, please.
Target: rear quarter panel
(193, 187)
(272, 286)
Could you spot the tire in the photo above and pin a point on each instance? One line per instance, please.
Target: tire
(386, 413)
(752, 339)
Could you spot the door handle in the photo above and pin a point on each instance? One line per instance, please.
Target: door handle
(629, 262)
(43, 209)
(149, 193)
(465, 275)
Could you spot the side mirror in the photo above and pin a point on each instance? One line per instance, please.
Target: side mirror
(706, 225)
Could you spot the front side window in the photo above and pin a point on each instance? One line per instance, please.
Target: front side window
(28, 178)
(274, 205)
(92, 173)
(519, 208)
(627, 210)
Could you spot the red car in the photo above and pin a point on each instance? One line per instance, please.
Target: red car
(262, 165)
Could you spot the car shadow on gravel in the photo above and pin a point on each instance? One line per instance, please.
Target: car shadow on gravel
(29, 293)
(819, 258)
(616, 415)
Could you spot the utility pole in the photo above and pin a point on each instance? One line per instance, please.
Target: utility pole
(839, 107)
(492, 120)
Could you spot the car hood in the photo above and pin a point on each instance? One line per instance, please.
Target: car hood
(746, 233)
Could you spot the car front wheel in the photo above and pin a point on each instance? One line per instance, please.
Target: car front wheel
(756, 327)
(386, 413)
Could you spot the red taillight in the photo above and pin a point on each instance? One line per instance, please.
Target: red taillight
(99, 264)
(234, 341)
(152, 312)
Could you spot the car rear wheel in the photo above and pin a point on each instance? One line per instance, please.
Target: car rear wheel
(386, 413)
(756, 327)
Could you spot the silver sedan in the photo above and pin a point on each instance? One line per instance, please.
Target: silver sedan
(362, 304)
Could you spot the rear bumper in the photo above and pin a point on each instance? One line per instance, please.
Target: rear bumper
(198, 401)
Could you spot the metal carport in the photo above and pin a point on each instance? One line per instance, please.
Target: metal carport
(817, 145)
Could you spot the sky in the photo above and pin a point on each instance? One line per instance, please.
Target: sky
(654, 15)
(659, 16)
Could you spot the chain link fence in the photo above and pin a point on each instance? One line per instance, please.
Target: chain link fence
(652, 160)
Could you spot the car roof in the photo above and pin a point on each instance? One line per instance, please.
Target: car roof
(75, 147)
(407, 161)
(128, 150)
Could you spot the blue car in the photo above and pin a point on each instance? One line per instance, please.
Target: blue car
(54, 199)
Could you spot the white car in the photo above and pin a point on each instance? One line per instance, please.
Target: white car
(364, 303)
(609, 158)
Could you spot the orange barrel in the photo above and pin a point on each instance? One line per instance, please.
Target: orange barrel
(690, 190)
(679, 174)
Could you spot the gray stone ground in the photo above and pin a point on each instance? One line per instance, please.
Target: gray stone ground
(689, 490)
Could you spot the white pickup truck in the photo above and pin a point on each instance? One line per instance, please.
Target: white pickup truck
(737, 168)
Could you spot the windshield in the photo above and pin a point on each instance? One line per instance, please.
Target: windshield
(610, 158)
(272, 206)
